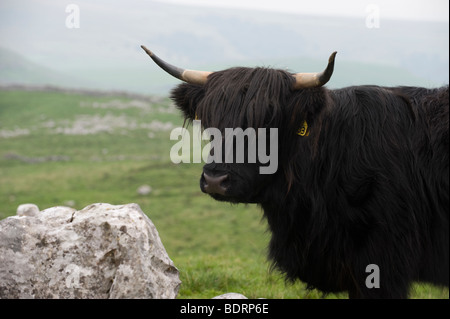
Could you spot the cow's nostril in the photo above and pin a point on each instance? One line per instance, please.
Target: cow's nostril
(213, 184)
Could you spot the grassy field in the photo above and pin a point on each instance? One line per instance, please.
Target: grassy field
(73, 149)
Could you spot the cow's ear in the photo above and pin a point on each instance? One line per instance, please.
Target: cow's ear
(186, 97)
(306, 106)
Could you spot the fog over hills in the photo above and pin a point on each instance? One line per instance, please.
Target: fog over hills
(104, 52)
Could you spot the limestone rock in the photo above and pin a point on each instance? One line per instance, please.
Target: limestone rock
(27, 210)
(230, 295)
(144, 190)
(102, 251)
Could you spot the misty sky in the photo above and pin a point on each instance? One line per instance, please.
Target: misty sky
(430, 10)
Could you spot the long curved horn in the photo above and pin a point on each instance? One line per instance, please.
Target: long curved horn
(190, 76)
(311, 80)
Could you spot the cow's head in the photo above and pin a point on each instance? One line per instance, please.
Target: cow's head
(249, 99)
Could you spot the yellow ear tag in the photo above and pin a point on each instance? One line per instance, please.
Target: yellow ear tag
(196, 117)
(303, 130)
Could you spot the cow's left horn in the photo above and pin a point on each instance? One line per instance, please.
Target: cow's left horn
(190, 76)
(311, 80)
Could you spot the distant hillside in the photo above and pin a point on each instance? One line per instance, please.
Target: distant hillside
(16, 69)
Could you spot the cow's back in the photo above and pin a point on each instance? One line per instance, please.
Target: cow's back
(432, 106)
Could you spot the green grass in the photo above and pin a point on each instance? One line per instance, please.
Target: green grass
(217, 247)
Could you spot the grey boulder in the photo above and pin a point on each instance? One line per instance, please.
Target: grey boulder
(101, 251)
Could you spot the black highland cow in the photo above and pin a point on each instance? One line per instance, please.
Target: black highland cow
(367, 184)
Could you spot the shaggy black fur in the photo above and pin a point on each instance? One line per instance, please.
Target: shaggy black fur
(368, 185)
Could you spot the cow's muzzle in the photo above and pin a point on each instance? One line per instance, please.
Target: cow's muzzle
(213, 184)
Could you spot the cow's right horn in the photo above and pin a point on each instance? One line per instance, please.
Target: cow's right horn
(311, 80)
(189, 76)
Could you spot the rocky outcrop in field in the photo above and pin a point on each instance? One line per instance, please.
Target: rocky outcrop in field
(101, 251)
